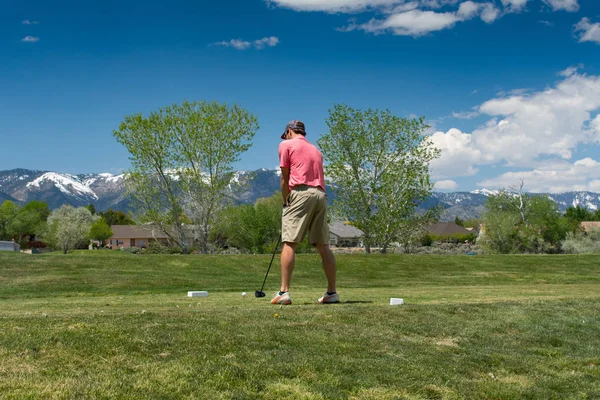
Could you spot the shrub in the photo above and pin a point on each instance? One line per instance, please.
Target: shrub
(231, 251)
(426, 240)
(582, 242)
(455, 238)
(174, 250)
(156, 248)
(132, 250)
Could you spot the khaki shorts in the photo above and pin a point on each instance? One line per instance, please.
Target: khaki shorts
(306, 212)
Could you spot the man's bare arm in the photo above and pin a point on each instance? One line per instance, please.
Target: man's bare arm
(285, 183)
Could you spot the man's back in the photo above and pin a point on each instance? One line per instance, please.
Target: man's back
(305, 162)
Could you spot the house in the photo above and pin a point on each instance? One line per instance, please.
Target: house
(589, 225)
(9, 246)
(344, 235)
(447, 230)
(125, 236)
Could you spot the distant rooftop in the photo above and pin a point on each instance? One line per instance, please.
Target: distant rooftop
(344, 230)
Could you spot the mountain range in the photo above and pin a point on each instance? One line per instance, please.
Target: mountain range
(106, 191)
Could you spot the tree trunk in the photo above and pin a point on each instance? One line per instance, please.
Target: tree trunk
(367, 249)
(205, 241)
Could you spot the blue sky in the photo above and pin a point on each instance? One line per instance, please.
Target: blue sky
(511, 88)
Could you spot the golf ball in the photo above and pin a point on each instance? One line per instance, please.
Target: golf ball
(243, 293)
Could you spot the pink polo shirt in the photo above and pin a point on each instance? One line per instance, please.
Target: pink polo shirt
(304, 160)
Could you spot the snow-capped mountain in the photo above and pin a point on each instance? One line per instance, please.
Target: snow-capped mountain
(68, 184)
(108, 191)
(467, 205)
(102, 190)
(587, 200)
(485, 192)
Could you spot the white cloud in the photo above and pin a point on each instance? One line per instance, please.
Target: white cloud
(437, 3)
(411, 5)
(29, 22)
(524, 129)
(235, 43)
(30, 39)
(547, 23)
(406, 17)
(514, 5)
(346, 6)
(412, 23)
(588, 32)
(567, 5)
(415, 17)
(595, 127)
(416, 22)
(570, 70)
(267, 41)
(459, 154)
(489, 13)
(468, 10)
(243, 45)
(465, 114)
(445, 185)
(553, 177)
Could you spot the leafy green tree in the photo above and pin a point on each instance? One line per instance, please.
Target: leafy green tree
(38, 209)
(379, 166)
(100, 230)
(501, 233)
(92, 208)
(517, 223)
(580, 214)
(255, 228)
(182, 162)
(115, 217)
(459, 222)
(8, 216)
(545, 216)
(472, 223)
(68, 226)
(31, 220)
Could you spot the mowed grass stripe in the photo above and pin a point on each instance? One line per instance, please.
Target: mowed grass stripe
(104, 272)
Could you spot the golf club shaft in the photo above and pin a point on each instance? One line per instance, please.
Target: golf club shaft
(271, 263)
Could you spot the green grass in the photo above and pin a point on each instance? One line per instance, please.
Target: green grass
(113, 325)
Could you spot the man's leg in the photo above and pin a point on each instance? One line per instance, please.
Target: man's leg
(329, 266)
(288, 256)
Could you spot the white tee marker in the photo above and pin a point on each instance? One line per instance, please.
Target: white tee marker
(196, 293)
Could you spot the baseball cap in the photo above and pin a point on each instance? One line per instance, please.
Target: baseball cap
(294, 125)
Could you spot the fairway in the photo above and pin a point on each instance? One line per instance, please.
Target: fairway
(115, 325)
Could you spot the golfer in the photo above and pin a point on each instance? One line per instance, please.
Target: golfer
(304, 209)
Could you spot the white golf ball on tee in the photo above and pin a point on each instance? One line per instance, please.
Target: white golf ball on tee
(244, 294)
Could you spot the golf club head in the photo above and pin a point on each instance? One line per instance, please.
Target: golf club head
(259, 293)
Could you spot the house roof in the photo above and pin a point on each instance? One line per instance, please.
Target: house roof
(137, 232)
(447, 229)
(589, 225)
(345, 231)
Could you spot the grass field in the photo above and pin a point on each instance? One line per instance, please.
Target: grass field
(113, 325)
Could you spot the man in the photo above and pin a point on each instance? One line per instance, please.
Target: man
(304, 209)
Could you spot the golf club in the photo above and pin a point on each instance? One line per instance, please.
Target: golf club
(260, 293)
